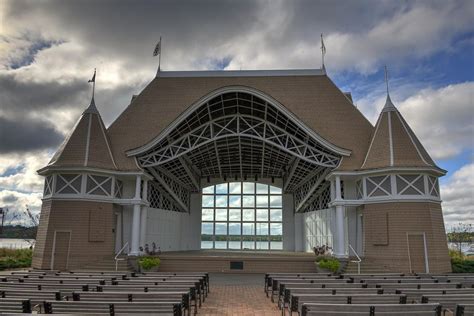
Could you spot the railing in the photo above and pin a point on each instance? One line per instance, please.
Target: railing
(358, 261)
(117, 259)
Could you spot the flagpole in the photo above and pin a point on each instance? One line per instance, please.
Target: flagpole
(93, 85)
(159, 58)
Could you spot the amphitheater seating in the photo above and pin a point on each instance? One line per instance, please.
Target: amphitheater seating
(371, 309)
(372, 294)
(107, 293)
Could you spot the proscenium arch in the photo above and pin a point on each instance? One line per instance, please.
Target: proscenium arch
(163, 134)
(238, 132)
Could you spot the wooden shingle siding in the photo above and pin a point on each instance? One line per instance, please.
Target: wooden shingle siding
(75, 216)
(403, 219)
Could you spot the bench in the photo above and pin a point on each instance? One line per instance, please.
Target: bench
(464, 309)
(370, 309)
(13, 305)
(449, 301)
(83, 307)
(298, 300)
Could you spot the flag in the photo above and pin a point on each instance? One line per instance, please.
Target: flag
(93, 78)
(157, 50)
(323, 47)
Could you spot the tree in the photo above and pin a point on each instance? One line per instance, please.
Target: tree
(460, 234)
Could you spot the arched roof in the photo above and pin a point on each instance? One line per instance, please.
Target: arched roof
(311, 97)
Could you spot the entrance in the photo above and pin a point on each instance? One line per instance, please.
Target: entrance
(417, 253)
(61, 250)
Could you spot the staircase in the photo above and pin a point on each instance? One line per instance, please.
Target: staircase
(366, 266)
(108, 264)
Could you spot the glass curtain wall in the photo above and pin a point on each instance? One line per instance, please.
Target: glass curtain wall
(242, 215)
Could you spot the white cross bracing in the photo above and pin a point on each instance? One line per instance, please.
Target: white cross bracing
(237, 135)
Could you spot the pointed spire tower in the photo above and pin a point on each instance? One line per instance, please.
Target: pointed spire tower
(88, 144)
(393, 143)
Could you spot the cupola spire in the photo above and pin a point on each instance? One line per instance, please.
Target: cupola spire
(92, 108)
(389, 106)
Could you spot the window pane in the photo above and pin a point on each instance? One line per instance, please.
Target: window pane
(209, 190)
(248, 229)
(276, 229)
(234, 229)
(221, 214)
(248, 187)
(262, 229)
(262, 200)
(221, 200)
(207, 201)
(235, 200)
(220, 244)
(262, 188)
(207, 214)
(235, 188)
(234, 215)
(275, 201)
(262, 215)
(248, 214)
(276, 215)
(248, 244)
(275, 190)
(221, 188)
(207, 229)
(221, 229)
(276, 245)
(248, 201)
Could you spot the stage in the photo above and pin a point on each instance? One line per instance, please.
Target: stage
(237, 261)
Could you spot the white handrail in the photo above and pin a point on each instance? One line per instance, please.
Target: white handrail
(358, 261)
(116, 258)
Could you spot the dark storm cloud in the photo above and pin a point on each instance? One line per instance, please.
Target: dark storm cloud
(24, 96)
(24, 136)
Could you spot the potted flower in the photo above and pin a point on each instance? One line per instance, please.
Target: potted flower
(327, 264)
(150, 264)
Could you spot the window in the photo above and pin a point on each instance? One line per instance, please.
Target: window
(242, 215)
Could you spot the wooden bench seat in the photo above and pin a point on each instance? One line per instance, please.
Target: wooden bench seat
(449, 301)
(417, 285)
(370, 309)
(464, 309)
(84, 307)
(297, 300)
(15, 305)
(414, 295)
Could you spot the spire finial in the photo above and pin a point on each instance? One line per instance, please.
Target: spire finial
(388, 103)
(92, 108)
(157, 52)
(323, 52)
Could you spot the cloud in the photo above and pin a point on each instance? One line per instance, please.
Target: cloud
(23, 136)
(442, 118)
(458, 196)
(16, 203)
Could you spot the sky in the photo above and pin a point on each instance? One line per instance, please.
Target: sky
(48, 50)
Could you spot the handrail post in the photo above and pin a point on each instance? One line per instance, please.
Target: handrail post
(116, 258)
(359, 260)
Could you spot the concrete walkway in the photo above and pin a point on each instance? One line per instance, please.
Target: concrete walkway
(238, 294)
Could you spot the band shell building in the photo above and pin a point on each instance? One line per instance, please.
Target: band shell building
(276, 161)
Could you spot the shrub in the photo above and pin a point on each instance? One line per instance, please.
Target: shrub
(461, 263)
(147, 263)
(15, 258)
(330, 263)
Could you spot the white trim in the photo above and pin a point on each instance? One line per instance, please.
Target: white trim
(372, 140)
(390, 139)
(433, 170)
(411, 138)
(86, 158)
(208, 97)
(106, 140)
(54, 246)
(240, 73)
(47, 170)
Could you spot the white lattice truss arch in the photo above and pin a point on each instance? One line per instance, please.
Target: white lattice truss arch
(239, 134)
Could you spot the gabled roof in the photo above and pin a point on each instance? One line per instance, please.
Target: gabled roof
(309, 94)
(394, 144)
(87, 145)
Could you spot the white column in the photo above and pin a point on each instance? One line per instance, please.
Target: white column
(339, 244)
(144, 214)
(135, 242)
(118, 231)
(338, 187)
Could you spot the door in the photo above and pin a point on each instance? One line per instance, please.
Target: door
(417, 253)
(61, 250)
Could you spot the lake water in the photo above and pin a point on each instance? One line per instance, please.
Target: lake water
(14, 243)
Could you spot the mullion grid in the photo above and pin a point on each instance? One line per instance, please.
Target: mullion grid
(256, 237)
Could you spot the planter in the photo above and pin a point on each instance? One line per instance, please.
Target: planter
(322, 270)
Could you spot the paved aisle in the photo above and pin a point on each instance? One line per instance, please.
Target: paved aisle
(238, 294)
